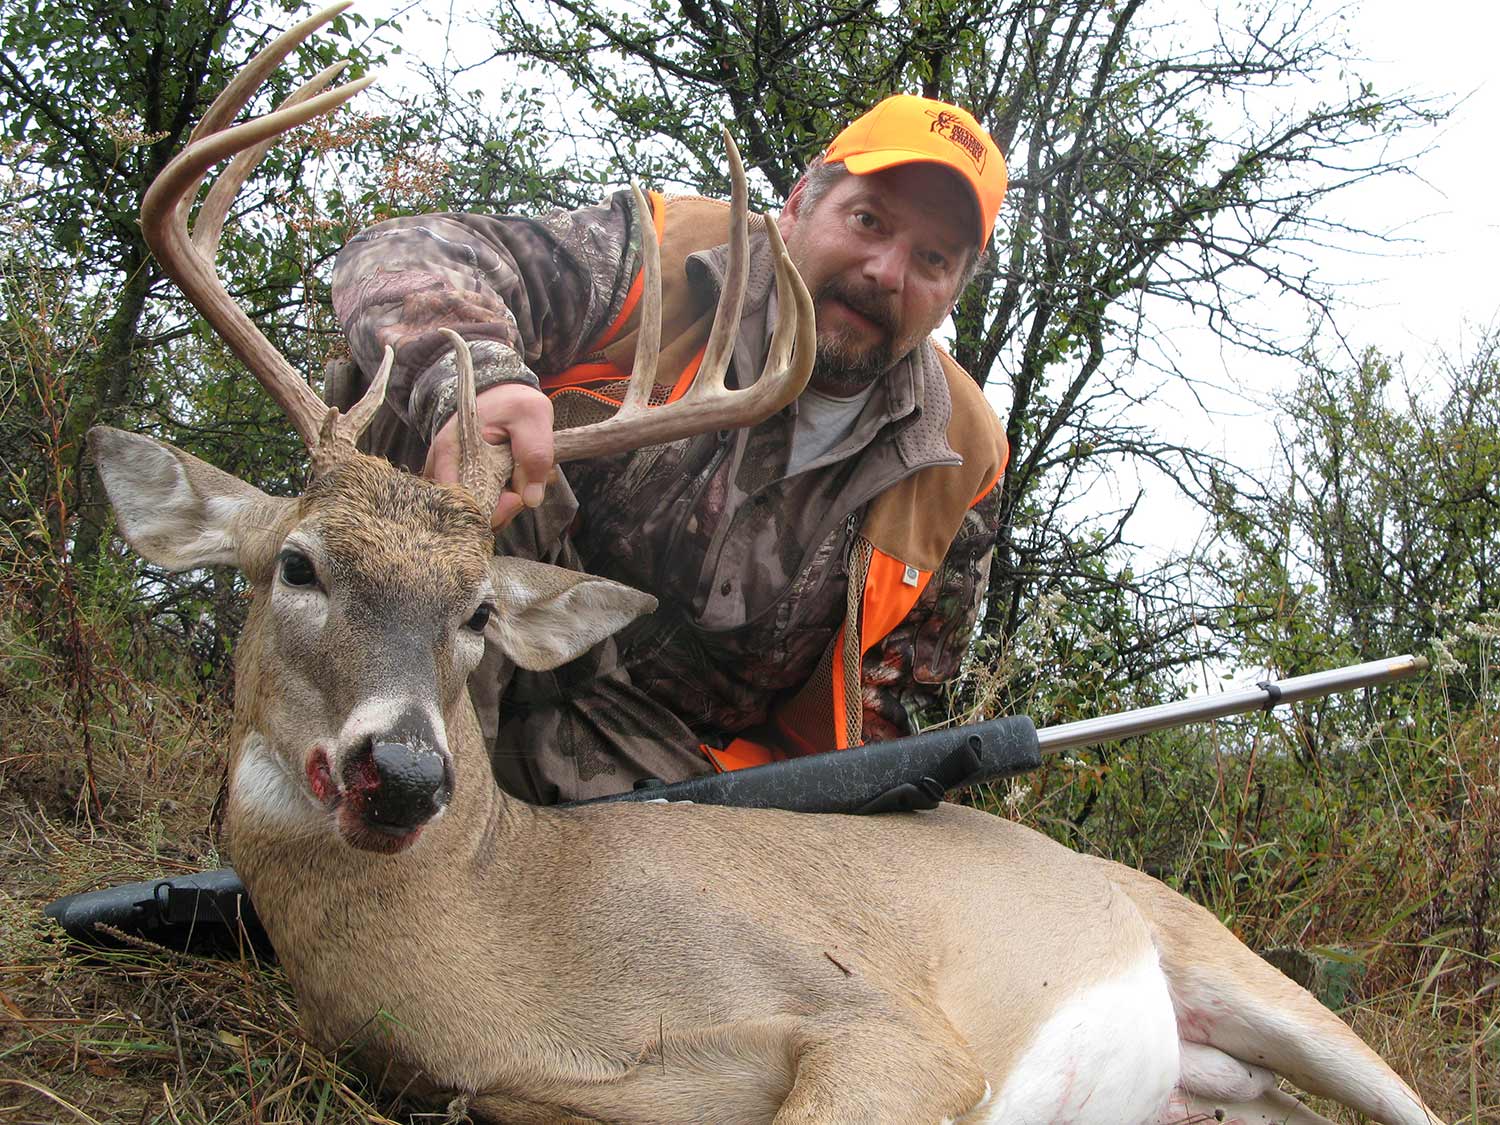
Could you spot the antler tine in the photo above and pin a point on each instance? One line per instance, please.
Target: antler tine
(483, 468)
(794, 341)
(720, 344)
(648, 336)
(188, 257)
(362, 413)
(710, 377)
(215, 208)
(241, 88)
(237, 94)
(708, 404)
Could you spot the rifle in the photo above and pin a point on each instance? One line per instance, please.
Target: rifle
(211, 911)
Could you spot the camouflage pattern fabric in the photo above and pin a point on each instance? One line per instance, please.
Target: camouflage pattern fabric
(749, 564)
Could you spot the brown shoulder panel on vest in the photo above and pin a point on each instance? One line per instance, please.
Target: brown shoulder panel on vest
(917, 519)
(692, 224)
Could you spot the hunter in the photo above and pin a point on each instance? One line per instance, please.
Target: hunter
(818, 575)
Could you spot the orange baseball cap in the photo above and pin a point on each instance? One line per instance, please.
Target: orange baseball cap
(905, 129)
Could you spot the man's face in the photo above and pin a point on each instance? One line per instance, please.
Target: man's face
(883, 256)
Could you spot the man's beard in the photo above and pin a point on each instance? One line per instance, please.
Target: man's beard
(843, 369)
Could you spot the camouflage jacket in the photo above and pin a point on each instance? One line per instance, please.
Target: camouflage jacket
(750, 565)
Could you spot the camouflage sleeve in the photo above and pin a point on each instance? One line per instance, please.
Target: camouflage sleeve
(528, 294)
(904, 674)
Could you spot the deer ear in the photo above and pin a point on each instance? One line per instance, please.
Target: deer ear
(175, 510)
(549, 616)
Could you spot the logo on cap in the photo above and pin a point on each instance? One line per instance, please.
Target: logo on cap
(949, 126)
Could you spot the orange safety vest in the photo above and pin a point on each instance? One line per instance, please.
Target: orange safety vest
(906, 530)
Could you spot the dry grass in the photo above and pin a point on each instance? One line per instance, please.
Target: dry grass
(140, 1035)
(137, 1034)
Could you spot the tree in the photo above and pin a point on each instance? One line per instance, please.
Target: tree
(1379, 531)
(95, 98)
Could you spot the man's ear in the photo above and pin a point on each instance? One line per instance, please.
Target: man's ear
(175, 510)
(549, 616)
(792, 210)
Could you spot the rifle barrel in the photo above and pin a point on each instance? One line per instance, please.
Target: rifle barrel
(1261, 697)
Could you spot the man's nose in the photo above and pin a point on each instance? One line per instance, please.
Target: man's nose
(886, 266)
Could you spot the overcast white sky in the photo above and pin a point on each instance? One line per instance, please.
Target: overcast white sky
(1429, 288)
(1448, 276)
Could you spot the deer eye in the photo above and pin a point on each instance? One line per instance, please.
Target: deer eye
(297, 569)
(481, 618)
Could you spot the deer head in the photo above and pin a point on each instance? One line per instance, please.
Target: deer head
(374, 591)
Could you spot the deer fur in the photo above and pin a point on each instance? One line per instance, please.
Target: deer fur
(674, 963)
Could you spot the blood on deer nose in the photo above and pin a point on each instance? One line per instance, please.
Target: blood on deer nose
(400, 777)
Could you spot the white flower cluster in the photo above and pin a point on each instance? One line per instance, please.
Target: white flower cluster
(126, 129)
(1443, 659)
(1017, 795)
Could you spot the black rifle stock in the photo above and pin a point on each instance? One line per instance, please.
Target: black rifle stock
(211, 909)
(902, 775)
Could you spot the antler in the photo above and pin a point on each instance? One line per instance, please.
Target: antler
(188, 257)
(708, 404)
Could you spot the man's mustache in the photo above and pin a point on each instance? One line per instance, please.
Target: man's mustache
(869, 303)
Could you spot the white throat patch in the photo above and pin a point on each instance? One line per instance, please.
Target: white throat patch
(265, 788)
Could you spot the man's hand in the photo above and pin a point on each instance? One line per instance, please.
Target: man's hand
(510, 412)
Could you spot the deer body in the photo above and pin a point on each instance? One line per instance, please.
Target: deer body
(749, 974)
(643, 963)
(661, 963)
(500, 951)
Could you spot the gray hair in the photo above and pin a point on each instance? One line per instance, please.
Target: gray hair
(819, 180)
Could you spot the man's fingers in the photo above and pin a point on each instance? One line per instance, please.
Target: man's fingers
(530, 429)
(510, 412)
(507, 508)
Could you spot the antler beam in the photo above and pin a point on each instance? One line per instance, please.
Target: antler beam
(188, 256)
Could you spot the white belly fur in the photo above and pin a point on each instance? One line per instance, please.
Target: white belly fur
(1110, 1055)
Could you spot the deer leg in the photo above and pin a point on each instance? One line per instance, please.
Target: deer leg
(884, 1074)
(502, 1109)
(1227, 998)
(1219, 1087)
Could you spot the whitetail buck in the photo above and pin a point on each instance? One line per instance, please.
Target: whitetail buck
(646, 963)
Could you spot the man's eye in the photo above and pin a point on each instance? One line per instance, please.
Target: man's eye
(297, 569)
(480, 619)
(865, 219)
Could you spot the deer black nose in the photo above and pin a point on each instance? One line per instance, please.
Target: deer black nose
(413, 785)
(406, 779)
